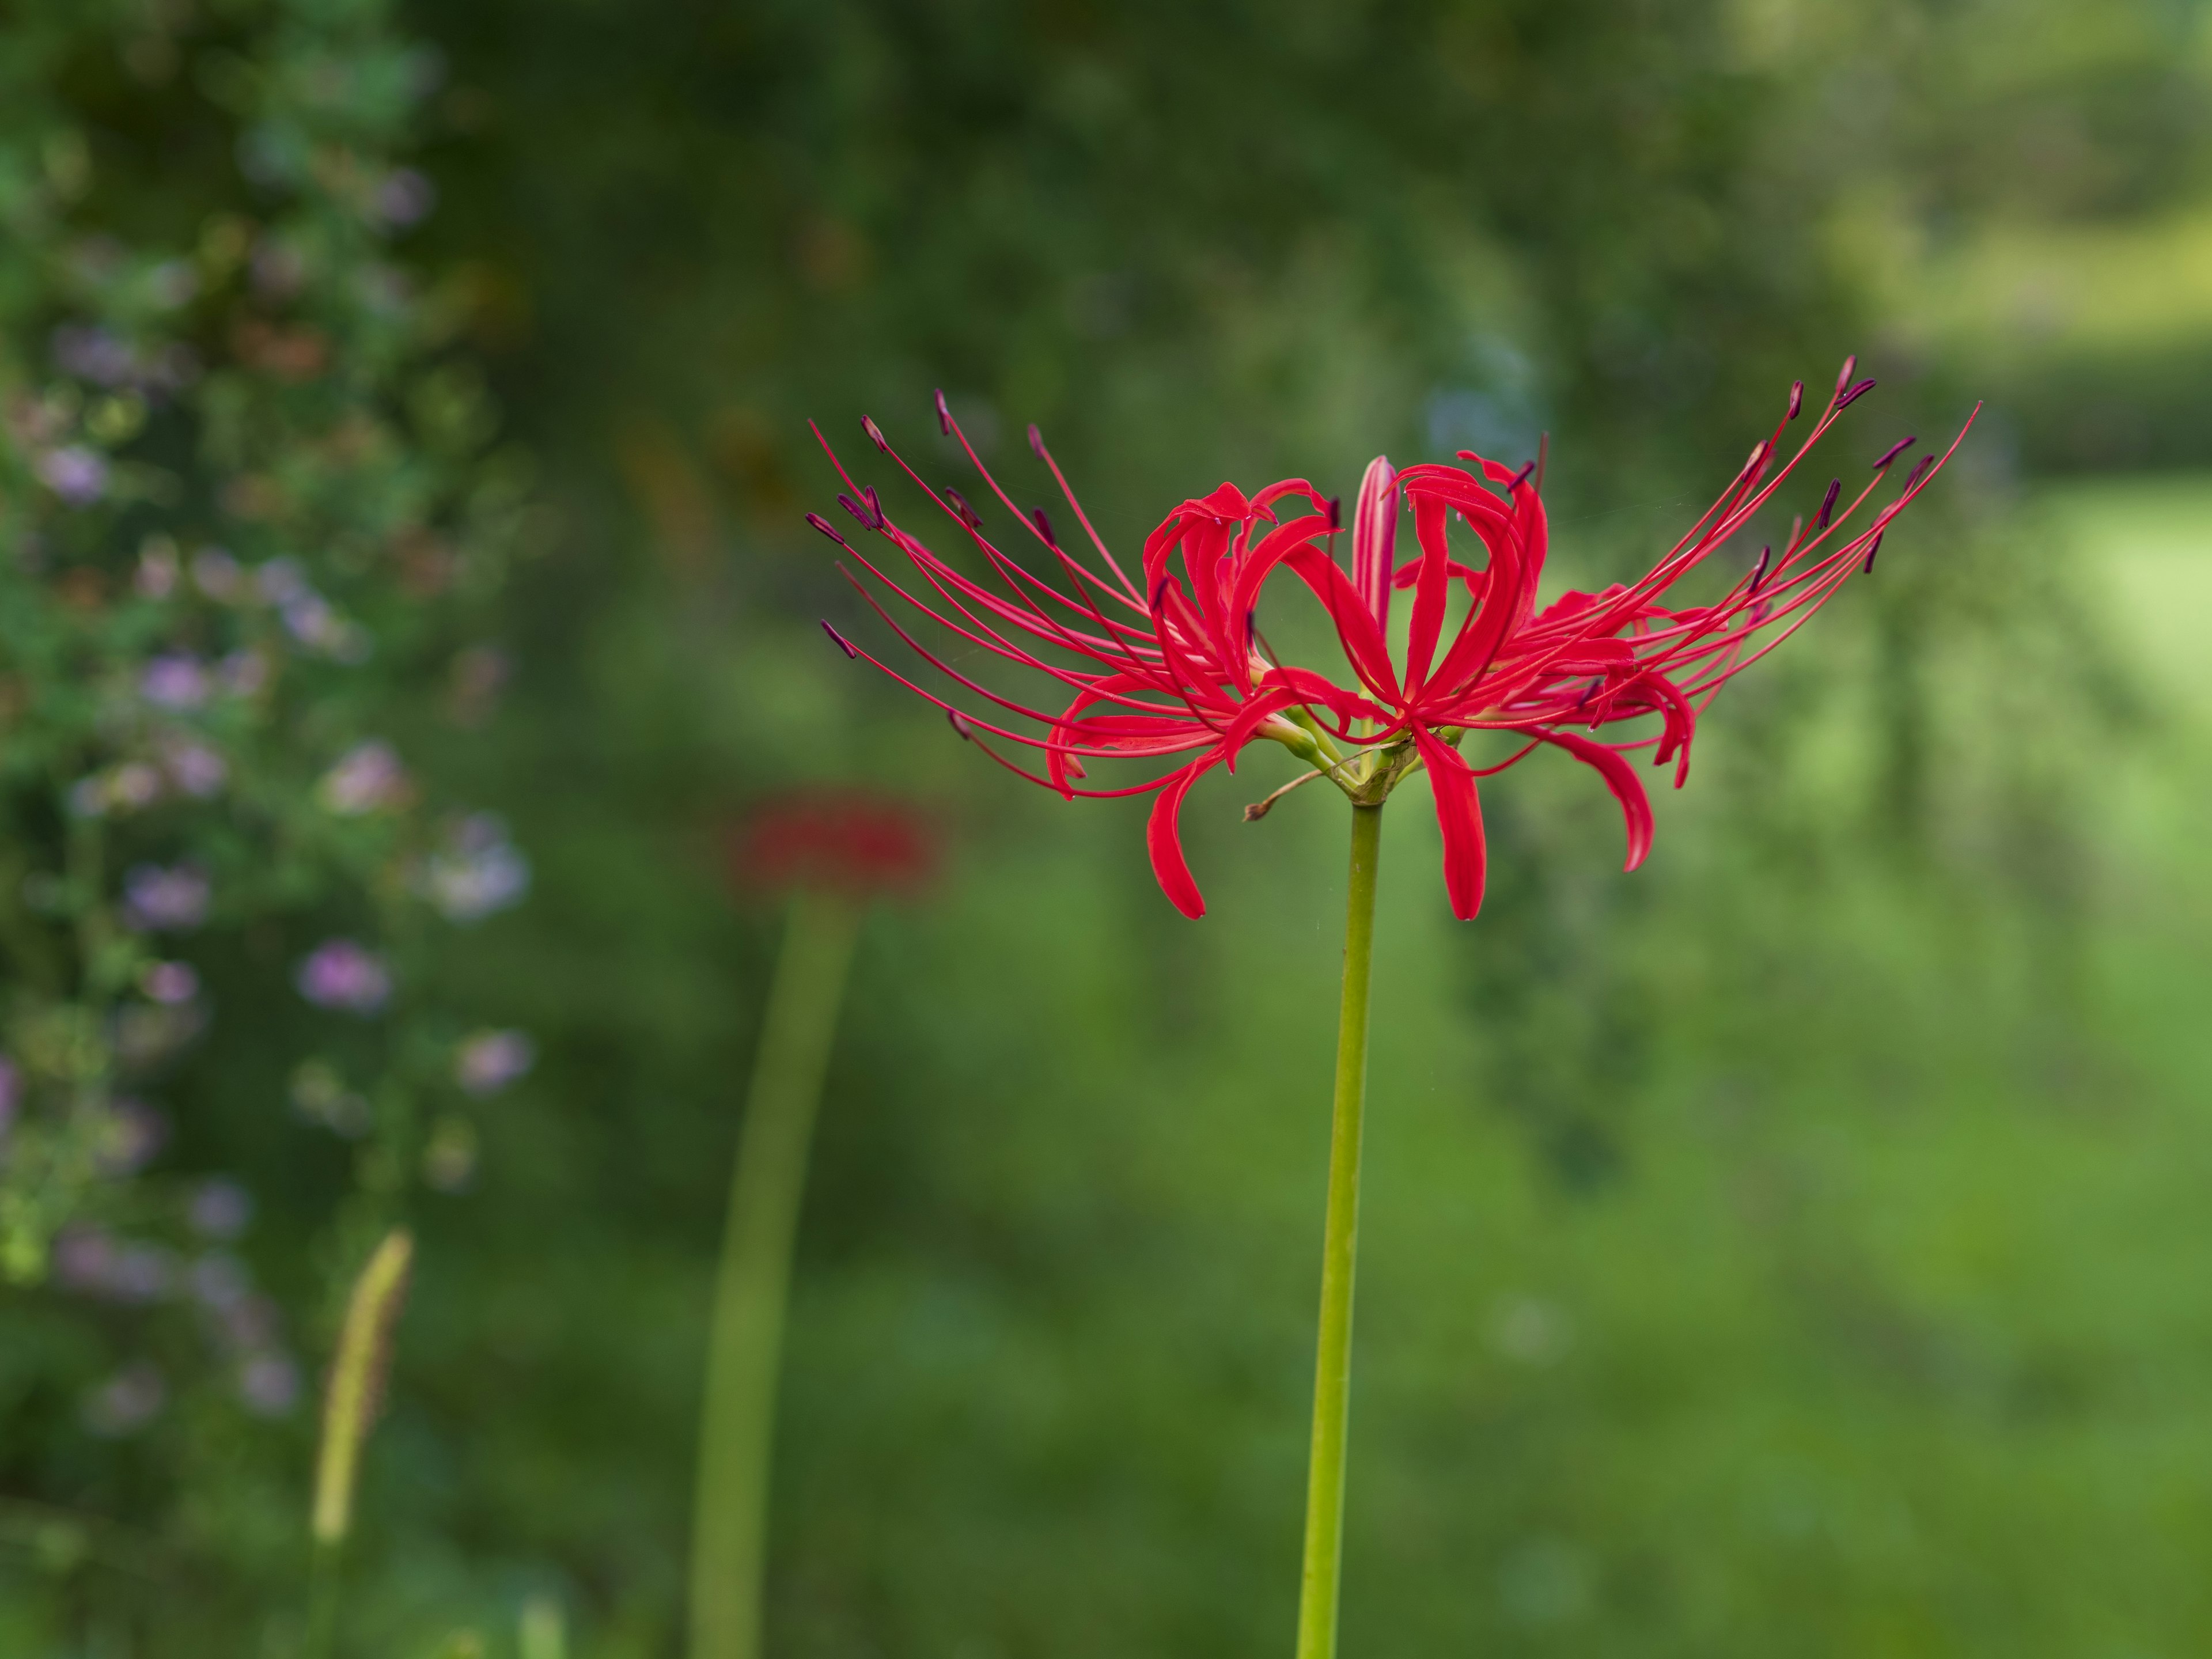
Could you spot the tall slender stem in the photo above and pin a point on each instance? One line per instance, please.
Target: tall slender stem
(1324, 1551)
(745, 1337)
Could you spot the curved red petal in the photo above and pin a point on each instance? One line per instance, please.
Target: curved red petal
(1164, 842)
(1459, 815)
(1620, 777)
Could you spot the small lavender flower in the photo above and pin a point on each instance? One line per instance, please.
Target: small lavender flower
(158, 900)
(171, 283)
(478, 872)
(127, 1401)
(487, 1061)
(77, 475)
(217, 575)
(367, 778)
(269, 1384)
(197, 770)
(133, 784)
(405, 198)
(141, 1273)
(319, 1095)
(94, 1262)
(340, 974)
(219, 1282)
(170, 983)
(130, 1132)
(82, 1258)
(221, 1209)
(92, 354)
(282, 582)
(156, 575)
(174, 680)
(249, 1322)
(243, 673)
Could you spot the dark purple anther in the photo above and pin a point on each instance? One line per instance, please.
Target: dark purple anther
(1165, 581)
(875, 434)
(1919, 470)
(840, 640)
(1335, 513)
(1844, 375)
(968, 514)
(1520, 477)
(1759, 571)
(964, 727)
(1828, 503)
(1037, 442)
(1867, 570)
(1043, 525)
(870, 516)
(1894, 451)
(825, 526)
(1796, 397)
(944, 414)
(1857, 392)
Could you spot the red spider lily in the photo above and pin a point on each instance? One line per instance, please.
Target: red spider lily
(843, 839)
(1172, 668)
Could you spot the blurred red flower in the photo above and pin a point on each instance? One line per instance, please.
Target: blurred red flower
(847, 840)
(1177, 667)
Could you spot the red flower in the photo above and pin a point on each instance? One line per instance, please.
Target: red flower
(1172, 669)
(844, 840)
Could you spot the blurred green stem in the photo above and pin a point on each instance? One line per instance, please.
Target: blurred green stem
(1324, 1553)
(745, 1337)
(322, 1632)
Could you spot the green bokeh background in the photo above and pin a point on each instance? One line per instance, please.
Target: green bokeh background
(1798, 1246)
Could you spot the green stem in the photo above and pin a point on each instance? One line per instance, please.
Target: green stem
(1324, 1551)
(322, 1632)
(745, 1336)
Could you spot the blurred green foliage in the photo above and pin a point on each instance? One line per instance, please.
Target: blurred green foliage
(1790, 1247)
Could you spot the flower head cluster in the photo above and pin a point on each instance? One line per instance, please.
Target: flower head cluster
(847, 839)
(1172, 666)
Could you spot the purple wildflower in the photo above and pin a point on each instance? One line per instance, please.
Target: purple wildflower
(217, 575)
(478, 872)
(221, 1209)
(197, 770)
(97, 354)
(490, 1061)
(157, 900)
(131, 1133)
(170, 983)
(173, 680)
(269, 1384)
(340, 974)
(220, 1282)
(77, 475)
(367, 778)
(405, 198)
(127, 1401)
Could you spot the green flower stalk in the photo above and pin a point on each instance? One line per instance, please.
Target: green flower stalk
(833, 850)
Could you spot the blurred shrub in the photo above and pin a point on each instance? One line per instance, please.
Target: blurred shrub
(247, 512)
